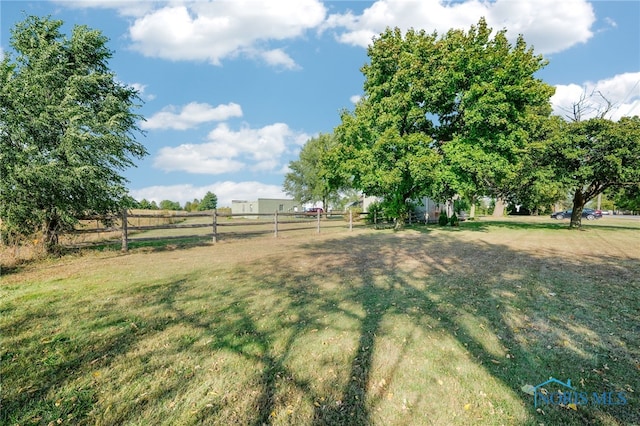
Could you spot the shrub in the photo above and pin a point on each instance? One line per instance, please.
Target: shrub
(375, 212)
(356, 211)
(443, 220)
(453, 220)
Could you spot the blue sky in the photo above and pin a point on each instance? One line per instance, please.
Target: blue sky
(233, 89)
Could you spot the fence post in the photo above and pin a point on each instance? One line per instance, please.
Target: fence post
(215, 225)
(350, 220)
(318, 221)
(125, 237)
(275, 220)
(375, 219)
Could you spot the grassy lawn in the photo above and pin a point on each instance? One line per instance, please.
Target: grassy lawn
(426, 326)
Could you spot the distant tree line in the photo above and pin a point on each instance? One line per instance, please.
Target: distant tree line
(209, 202)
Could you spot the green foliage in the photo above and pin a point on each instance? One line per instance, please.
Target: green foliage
(67, 129)
(460, 205)
(442, 115)
(147, 205)
(192, 206)
(209, 202)
(311, 178)
(453, 220)
(356, 213)
(592, 156)
(375, 212)
(169, 205)
(443, 220)
(627, 198)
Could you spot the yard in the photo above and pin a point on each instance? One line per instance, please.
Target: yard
(425, 326)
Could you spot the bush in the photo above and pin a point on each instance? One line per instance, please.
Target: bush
(356, 211)
(375, 212)
(453, 220)
(443, 220)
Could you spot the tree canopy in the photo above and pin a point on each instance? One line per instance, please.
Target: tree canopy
(310, 178)
(595, 155)
(209, 202)
(443, 115)
(67, 129)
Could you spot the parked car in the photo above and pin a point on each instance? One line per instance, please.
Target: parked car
(314, 211)
(589, 214)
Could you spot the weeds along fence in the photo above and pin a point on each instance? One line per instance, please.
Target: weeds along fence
(140, 226)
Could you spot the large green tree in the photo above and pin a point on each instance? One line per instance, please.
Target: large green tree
(67, 129)
(595, 155)
(309, 178)
(443, 114)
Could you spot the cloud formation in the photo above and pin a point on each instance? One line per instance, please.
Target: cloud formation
(191, 115)
(213, 31)
(542, 22)
(217, 30)
(621, 91)
(228, 150)
(226, 191)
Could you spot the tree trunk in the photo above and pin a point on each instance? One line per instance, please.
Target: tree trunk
(472, 209)
(399, 225)
(50, 234)
(498, 211)
(578, 205)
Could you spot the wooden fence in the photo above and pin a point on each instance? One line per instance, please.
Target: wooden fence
(214, 225)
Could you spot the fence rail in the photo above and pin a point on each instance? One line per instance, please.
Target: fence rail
(138, 226)
(144, 226)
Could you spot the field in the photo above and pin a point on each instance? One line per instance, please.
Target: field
(425, 326)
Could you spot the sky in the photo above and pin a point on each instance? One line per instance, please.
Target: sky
(232, 89)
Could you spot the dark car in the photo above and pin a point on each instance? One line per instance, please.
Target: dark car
(314, 211)
(589, 214)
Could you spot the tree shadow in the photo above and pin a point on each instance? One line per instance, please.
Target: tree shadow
(543, 332)
(551, 316)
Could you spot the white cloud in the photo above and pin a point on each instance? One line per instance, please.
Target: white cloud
(544, 23)
(355, 99)
(277, 57)
(622, 91)
(228, 150)
(191, 115)
(226, 191)
(216, 30)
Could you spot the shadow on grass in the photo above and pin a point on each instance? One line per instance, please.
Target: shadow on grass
(561, 317)
(559, 322)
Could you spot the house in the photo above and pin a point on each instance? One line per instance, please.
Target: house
(425, 208)
(264, 206)
(429, 210)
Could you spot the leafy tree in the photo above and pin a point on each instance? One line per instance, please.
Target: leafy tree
(147, 205)
(192, 206)
(209, 202)
(443, 115)
(66, 129)
(170, 205)
(595, 155)
(310, 178)
(537, 187)
(628, 198)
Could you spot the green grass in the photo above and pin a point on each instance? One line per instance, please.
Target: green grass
(426, 326)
